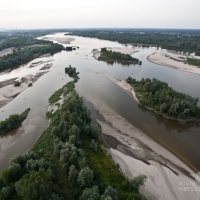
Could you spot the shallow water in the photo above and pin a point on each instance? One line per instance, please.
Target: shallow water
(182, 140)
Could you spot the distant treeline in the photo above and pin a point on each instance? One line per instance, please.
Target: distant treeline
(107, 55)
(20, 41)
(24, 54)
(12, 122)
(164, 100)
(178, 40)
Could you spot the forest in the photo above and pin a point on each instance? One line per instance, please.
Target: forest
(68, 162)
(158, 96)
(178, 40)
(26, 49)
(108, 55)
(13, 121)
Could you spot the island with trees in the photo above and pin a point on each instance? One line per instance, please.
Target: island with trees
(12, 122)
(71, 71)
(68, 161)
(112, 56)
(159, 97)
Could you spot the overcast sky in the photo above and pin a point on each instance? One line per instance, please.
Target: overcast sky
(98, 14)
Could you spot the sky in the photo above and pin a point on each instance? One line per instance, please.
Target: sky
(30, 14)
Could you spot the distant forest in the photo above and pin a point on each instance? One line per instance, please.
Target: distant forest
(178, 40)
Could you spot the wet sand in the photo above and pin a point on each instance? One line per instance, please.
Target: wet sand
(8, 91)
(137, 154)
(47, 66)
(125, 86)
(63, 40)
(173, 61)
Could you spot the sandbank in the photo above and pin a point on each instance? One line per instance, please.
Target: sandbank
(7, 51)
(125, 86)
(136, 154)
(173, 61)
(8, 91)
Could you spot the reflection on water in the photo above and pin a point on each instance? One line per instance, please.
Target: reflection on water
(181, 139)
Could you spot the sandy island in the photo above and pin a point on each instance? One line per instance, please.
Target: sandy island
(63, 40)
(8, 91)
(174, 61)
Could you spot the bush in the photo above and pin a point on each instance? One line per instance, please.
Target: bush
(17, 84)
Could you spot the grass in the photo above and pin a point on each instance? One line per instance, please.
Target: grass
(107, 172)
(193, 61)
(64, 90)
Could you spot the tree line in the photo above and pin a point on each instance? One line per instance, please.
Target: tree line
(26, 54)
(178, 40)
(163, 99)
(13, 121)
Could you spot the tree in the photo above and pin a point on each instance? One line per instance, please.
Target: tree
(6, 192)
(110, 194)
(93, 145)
(35, 185)
(91, 194)
(138, 181)
(85, 177)
(72, 175)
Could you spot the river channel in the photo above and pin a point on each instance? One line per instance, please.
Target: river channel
(181, 139)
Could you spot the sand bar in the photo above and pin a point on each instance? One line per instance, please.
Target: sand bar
(173, 61)
(8, 91)
(136, 154)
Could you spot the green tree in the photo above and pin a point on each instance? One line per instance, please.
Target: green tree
(90, 194)
(85, 177)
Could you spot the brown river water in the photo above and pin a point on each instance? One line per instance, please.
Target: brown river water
(183, 140)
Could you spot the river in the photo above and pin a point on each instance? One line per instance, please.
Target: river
(180, 139)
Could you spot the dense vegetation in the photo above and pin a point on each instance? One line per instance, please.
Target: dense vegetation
(56, 96)
(179, 40)
(193, 61)
(21, 41)
(107, 55)
(12, 122)
(67, 162)
(27, 54)
(71, 71)
(164, 100)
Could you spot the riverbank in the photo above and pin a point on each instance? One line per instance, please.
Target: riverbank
(125, 86)
(173, 61)
(137, 154)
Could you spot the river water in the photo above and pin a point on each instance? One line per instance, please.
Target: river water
(181, 139)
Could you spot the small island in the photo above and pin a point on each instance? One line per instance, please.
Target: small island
(12, 122)
(71, 71)
(162, 99)
(111, 56)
